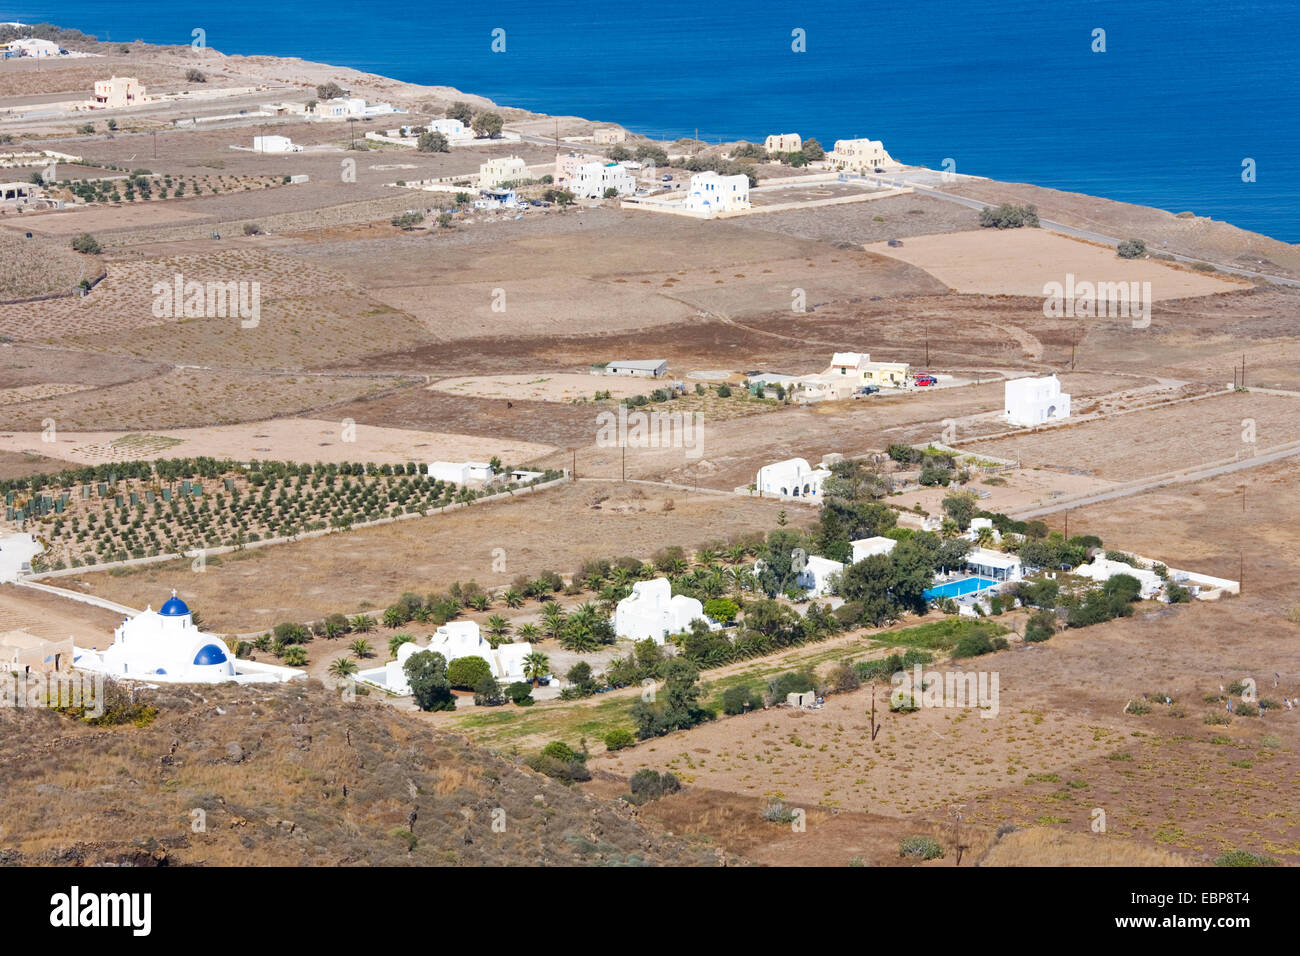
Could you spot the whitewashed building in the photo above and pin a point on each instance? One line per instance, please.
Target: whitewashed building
(998, 565)
(16, 553)
(792, 478)
(816, 576)
(1103, 569)
(275, 144)
(866, 547)
(1034, 401)
(460, 472)
(454, 640)
(165, 646)
(712, 194)
(652, 611)
(453, 129)
(592, 180)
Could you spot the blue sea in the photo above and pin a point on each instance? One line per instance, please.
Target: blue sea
(1183, 94)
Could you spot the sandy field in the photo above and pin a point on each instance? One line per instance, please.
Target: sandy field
(283, 439)
(554, 387)
(1022, 261)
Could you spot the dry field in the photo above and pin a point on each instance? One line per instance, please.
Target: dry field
(1022, 261)
(370, 567)
(280, 439)
(587, 272)
(180, 399)
(1059, 746)
(556, 387)
(124, 302)
(35, 267)
(1156, 441)
(53, 617)
(1234, 524)
(1182, 233)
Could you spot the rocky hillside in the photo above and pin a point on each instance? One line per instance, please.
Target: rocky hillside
(293, 776)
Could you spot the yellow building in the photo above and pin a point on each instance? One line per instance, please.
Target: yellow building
(783, 143)
(608, 135)
(860, 155)
(118, 91)
(885, 374)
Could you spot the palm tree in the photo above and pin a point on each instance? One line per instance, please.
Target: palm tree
(396, 641)
(512, 597)
(343, 667)
(736, 553)
(984, 537)
(360, 648)
(498, 628)
(580, 629)
(536, 665)
(552, 619)
(480, 602)
(529, 632)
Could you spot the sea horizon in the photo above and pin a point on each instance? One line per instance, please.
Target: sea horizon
(1170, 114)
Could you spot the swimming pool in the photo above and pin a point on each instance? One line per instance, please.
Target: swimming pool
(953, 589)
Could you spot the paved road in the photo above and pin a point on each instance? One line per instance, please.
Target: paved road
(897, 180)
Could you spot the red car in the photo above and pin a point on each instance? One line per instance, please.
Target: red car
(923, 380)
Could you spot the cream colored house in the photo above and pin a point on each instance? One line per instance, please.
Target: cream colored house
(885, 374)
(22, 652)
(609, 135)
(504, 169)
(783, 143)
(859, 367)
(860, 156)
(117, 92)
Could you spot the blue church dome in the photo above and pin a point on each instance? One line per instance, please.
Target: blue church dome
(209, 654)
(174, 607)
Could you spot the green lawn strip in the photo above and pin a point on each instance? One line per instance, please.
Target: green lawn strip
(571, 720)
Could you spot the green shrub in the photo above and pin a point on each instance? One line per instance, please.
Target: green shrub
(647, 785)
(1243, 858)
(86, 244)
(464, 673)
(740, 699)
(619, 738)
(920, 848)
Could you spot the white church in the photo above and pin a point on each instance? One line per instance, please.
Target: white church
(792, 478)
(164, 646)
(453, 640)
(651, 611)
(1035, 401)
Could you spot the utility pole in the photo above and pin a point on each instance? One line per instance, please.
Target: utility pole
(927, 346)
